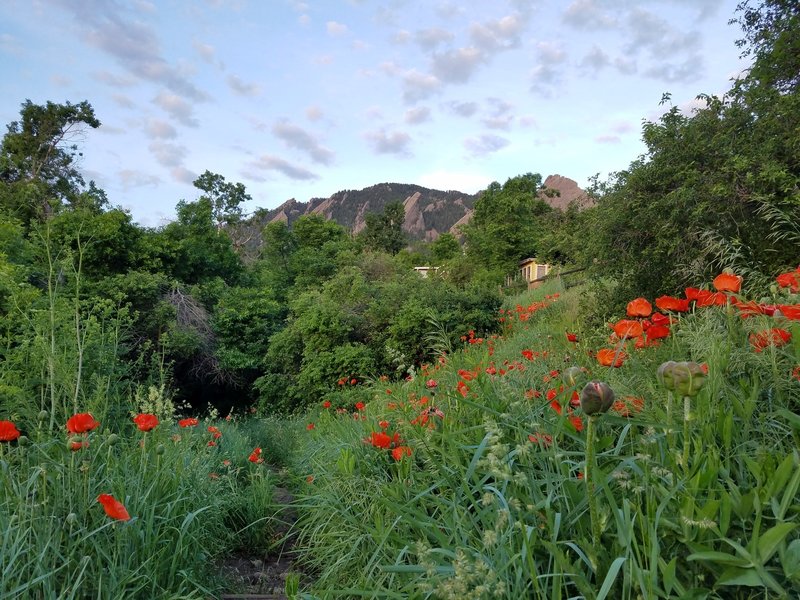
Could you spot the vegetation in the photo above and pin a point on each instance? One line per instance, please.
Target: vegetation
(445, 437)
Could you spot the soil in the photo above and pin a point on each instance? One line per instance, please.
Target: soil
(261, 575)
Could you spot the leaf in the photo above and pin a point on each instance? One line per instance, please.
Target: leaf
(610, 577)
(739, 576)
(791, 560)
(770, 539)
(718, 557)
(792, 418)
(668, 575)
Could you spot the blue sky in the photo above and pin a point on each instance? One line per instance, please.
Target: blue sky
(300, 99)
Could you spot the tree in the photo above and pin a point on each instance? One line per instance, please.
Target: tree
(384, 231)
(225, 198)
(38, 158)
(445, 247)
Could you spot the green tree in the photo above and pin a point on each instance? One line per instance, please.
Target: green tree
(384, 231)
(444, 248)
(38, 159)
(225, 198)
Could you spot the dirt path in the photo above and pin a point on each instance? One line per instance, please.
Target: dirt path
(261, 575)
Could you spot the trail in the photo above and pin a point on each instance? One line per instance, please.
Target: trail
(261, 575)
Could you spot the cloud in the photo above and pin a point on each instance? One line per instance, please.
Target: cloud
(242, 88)
(335, 29)
(393, 142)
(499, 114)
(607, 139)
(10, 45)
(268, 162)
(166, 154)
(112, 28)
(428, 39)
(297, 137)
(457, 66)
(135, 179)
(183, 175)
(206, 51)
(463, 109)
(122, 100)
(176, 107)
(485, 144)
(596, 60)
(160, 130)
(495, 35)
(60, 80)
(415, 116)
(586, 14)
(419, 86)
(685, 72)
(651, 33)
(401, 37)
(548, 72)
(116, 81)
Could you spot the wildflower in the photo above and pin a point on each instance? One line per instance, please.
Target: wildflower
(190, 422)
(706, 298)
(400, 451)
(462, 389)
(727, 282)
(8, 431)
(379, 439)
(596, 397)
(639, 308)
(113, 507)
(527, 354)
(610, 357)
(627, 328)
(76, 445)
(790, 311)
(543, 439)
(226, 463)
(145, 422)
(360, 406)
(671, 304)
(796, 373)
(576, 421)
(572, 337)
(383, 424)
(467, 375)
(771, 337)
(255, 456)
(81, 423)
(211, 443)
(790, 280)
(310, 479)
(657, 332)
(431, 383)
(310, 427)
(326, 404)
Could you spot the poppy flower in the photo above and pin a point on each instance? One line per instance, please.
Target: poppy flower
(543, 439)
(751, 308)
(310, 426)
(672, 304)
(8, 431)
(576, 421)
(727, 282)
(790, 280)
(379, 439)
(360, 406)
(639, 308)
(190, 422)
(145, 422)
(113, 507)
(211, 443)
(692, 293)
(431, 383)
(81, 423)
(383, 424)
(326, 404)
(659, 319)
(610, 357)
(78, 445)
(628, 328)
(462, 389)
(255, 456)
(770, 337)
(790, 311)
(707, 298)
(657, 332)
(572, 337)
(401, 451)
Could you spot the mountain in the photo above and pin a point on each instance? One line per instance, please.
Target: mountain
(429, 213)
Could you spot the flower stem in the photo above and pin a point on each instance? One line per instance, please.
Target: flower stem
(686, 416)
(589, 477)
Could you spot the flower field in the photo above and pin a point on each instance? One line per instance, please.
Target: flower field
(654, 458)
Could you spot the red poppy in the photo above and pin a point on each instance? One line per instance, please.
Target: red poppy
(692, 293)
(556, 406)
(628, 328)
(145, 422)
(431, 383)
(462, 389)
(113, 507)
(790, 280)
(81, 423)
(326, 404)
(707, 298)
(770, 337)
(796, 373)
(609, 357)
(751, 308)
(672, 304)
(383, 424)
(576, 421)
(660, 319)
(8, 431)
(727, 282)
(310, 426)
(401, 451)
(211, 443)
(78, 445)
(657, 332)
(639, 308)
(190, 422)
(255, 456)
(379, 439)
(467, 375)
(527, 354)
(543, 439)
(360, 406)
(572, 337)
(790, 311)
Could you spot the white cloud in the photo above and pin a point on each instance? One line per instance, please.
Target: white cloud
(297, 137)
(415, 116)
(391, 142)
(158, 129)
(485, 144)
(335, 29)
(243, 88)
(178, 108)
(268, 162)
(314, 113)
(419, 86)
(457, 66)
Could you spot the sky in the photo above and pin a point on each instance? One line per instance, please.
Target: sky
(301, 99)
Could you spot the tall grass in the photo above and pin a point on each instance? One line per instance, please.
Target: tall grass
(492, 501)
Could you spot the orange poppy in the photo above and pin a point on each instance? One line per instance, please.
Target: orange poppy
(657, 332)
(610, 357)
(770, 337)
(639, 308)
(462, 388)
(401, 451)
(790, 280)
(672, 304)
(191, 422)
(255, 456)
(628, 328)
(727, 282)
(790, 311)
(113, 507)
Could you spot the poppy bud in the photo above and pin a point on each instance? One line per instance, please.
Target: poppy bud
(72, 518)
(112, 439)
(664, 374)
(43, 414)
(596, 397)
(688, 377)
(573, 376)
(23, 440)
(160, 450)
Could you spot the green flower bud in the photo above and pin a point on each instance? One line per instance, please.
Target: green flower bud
(665, 374)
(160, 450)
(23, 440)
(574, 376)
(72, 518)
(596, 397)
(43, 414)
(689, 378)
(112, 439)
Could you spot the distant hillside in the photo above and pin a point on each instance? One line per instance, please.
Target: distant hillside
(429, 213)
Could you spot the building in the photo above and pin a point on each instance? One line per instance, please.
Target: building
(423, 271)
(532, 271)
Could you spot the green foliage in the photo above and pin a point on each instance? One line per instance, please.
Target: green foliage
(384, 231)
(225, 198)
